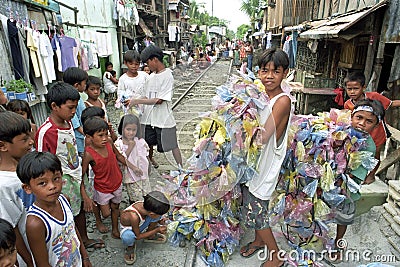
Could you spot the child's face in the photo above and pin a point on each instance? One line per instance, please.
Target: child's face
(47, 187)
(22, 113)
(355, 90)
(133, 67)
(93, 91)
(66, 111)
(8, 257)
(20, 145)
(130, 131)
(270, 77)
(80, 86)
(364, 121)
(109, 68)
(99, 139)
(146, 69)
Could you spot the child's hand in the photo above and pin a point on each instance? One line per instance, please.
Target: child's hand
(88, 204)
(138, 172)
(162, 229)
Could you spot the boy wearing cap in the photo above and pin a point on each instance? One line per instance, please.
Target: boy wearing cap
(160, 125)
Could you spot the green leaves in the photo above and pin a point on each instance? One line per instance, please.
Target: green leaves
(19, 86)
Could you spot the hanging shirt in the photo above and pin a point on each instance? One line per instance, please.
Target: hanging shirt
(55, 43)
(33, 47)
(43, 73)
(15, 49)
(67, 45)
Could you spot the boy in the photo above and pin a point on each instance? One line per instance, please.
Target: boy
(57, 136)
(50, 224)
(355, 86)
(275, 117)
(131, 83)
(160, 125)
(110, 83)
(140, 216)
(102, 155)
(8, 251)
(15, 142)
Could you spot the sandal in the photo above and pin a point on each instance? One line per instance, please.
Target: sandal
(154, 163)
(248, 247)
(94, 243)
(157, 238)
(130, 255)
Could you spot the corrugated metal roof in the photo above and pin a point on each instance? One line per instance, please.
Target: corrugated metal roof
(331, 28)
(393, 29)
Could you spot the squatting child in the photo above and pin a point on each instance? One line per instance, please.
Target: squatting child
(140, 221)
(102, 155)
(355, 89)
(57, 136)
(15, 142)
(275, 117)
(136, 150)
(8, 250)
(365, 117)
(50, 226)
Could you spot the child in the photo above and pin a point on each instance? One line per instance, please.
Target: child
(77, 78)
(131, 83)
(97, 111)
(135, 149)
(355, 86)
(50, 223)
(103, 156)
(15, 142)
(146, 69)
(366, 116)
(57, 136)
(8, 251)
(22, 107)
(93, 90)
(139, 216)
(160, 125)
(275, 117)
(110, 82)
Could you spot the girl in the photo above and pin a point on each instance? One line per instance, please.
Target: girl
(93, 90)
(8, 252)
(110, 83)
(136, 150)
(22, 107)
(146, 69)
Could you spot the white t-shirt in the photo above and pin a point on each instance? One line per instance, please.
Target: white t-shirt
(269, 164)
(109, 86)
(159, 85)
(132, 86)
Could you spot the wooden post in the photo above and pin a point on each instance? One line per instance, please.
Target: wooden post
(371, 50)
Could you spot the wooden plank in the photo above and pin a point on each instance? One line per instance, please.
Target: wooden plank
(389, 161)
(395, 133)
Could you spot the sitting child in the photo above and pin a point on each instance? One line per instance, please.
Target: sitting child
(140, 216)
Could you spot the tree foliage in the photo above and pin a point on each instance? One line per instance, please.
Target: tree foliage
(242, 30)
(253, 10)
(199, 17)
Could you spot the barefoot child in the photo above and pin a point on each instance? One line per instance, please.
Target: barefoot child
(275, 117)
(140, 216)
(355, 86)
(50, 223)
(102, 155)
(8, 251)
(136, 150)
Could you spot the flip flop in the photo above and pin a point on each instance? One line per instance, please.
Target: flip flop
(94, 243)
(157, 238)
(248, 247)
(154, 163)
(128, 252)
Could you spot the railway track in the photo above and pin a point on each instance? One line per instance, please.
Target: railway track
(190, 99)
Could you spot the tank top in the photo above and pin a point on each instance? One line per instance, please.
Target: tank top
(61, 239)
(107, 175)
(272, 155)
(103, 107)
(144, 222)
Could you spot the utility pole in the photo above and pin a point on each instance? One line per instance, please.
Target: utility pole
(212, 8)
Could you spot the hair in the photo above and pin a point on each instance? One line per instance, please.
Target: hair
(74, 75)
(151, 52)
(275, 55)
(92, 112)
(355, 76)
(378, 109)
(131, 56)
(93, 125)
(108, 63)
(129, 119)
(113, 72)
(144, 66)
(12, 125)
(93, 80)
(20, 105)
(60, 93)
(35, 164)
(156, 202)
(7, 235)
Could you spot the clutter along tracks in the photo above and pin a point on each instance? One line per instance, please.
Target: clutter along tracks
(192, 96)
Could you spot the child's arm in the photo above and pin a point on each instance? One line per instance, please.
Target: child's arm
(36, 233)
(145, 101)
(124, 161)
(395, 103)
(21, 248)
(131, 218)
(88, 203)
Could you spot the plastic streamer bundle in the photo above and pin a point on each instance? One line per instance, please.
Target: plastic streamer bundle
(225, 154)
(315, 178)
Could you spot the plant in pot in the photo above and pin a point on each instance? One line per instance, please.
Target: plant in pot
(20, 88)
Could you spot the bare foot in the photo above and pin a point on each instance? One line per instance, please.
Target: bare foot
(115, 234)
(101, 227)
(250, 249)
(273, 263)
